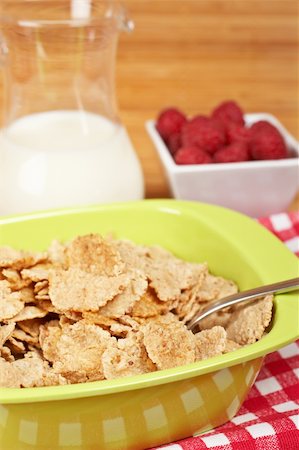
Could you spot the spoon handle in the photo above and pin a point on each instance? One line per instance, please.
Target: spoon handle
(251, 294)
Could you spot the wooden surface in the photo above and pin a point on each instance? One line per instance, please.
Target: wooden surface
(194, 54)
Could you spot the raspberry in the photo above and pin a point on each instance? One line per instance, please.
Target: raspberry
(204, 133)
(266, 141)
(229, 111)
(192, 155)
(170, 121)
(219, 125)
(262, 126)
(235, 152)
(174, 142)
(268, 145)
(236, 132)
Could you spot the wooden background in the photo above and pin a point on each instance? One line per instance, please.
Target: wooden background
(195, 53)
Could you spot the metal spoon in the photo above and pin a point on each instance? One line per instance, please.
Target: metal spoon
(251, 294)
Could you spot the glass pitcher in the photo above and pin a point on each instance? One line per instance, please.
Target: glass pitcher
(62, 143)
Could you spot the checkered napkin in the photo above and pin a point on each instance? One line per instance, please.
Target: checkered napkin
(269, 417)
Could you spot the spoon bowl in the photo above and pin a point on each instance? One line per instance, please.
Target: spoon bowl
(239, 297)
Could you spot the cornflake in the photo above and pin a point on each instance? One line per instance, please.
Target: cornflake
(31, 326)
(22, 336)
(168, 275)
(76, 351)
(95, 254)
(127, 357)
(27, 295)
(18, 259)
(31, 371)
(15, 280)
(56, 254)
(82, 291)
(29, 312)
(248, 323)
(39, 272)
(210, 342)
(123, 303)
(98, 308)
(10, 302)
(6, 354)
(5, 332)
(168, 342)
(16, 346)
(149, 305)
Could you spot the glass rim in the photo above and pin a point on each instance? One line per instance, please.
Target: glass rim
(42, 23)
(81, 17)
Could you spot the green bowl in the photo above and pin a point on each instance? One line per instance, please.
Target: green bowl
(152, 409)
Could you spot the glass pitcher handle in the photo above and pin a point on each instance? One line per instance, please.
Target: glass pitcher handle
(3, 50)
(126, 24)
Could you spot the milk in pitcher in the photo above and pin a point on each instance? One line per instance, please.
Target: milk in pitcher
(66, 158)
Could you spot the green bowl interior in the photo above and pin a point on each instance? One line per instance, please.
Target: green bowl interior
(234, 246)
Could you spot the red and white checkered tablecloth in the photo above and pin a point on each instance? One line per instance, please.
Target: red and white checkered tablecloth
(269, 417)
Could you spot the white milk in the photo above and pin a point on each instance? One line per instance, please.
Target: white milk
(66, 158)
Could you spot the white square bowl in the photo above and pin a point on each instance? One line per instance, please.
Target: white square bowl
(255, 188)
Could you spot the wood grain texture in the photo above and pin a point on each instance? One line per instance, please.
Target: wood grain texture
(195, 53)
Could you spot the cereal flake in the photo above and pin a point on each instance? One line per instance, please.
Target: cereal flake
(210, 343)
(10, 302)
(168, 342)
(248, 323)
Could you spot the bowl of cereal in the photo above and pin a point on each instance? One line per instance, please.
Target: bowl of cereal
(95, 352)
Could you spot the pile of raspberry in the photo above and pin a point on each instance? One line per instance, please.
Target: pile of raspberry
(221, 137)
